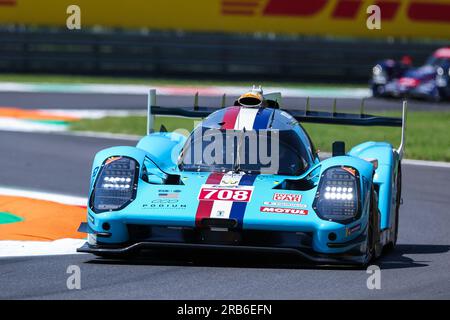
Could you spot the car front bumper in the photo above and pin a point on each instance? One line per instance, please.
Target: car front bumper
(257, 241)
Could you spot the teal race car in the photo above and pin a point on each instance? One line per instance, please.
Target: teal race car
(247, 178)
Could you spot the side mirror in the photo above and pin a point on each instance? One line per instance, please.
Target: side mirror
(338, 148)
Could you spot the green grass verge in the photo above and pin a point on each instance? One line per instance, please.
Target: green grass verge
(427, 134)
(69, 79)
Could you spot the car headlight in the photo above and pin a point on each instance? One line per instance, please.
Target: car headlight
(377, 70)
(440, 71)
(116, 184)
(379, 75)
(337, 197)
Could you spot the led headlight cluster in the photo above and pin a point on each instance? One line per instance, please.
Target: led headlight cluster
(337, 194)
(116, 184)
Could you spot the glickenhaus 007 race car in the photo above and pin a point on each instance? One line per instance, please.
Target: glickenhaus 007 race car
(248, 178)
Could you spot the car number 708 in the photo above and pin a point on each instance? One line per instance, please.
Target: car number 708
(225, 194)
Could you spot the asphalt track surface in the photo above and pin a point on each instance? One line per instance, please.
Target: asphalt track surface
(418, 268)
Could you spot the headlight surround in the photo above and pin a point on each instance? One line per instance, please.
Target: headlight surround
(377, 70)
(337, 198)
(116, 184)
(379, 75)
(441, 77)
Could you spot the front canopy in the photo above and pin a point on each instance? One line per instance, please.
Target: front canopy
(251, 151)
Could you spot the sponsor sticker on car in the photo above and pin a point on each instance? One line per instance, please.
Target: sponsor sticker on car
(301, 212)
(164, 204)
(168, 195)
(291, 197)
(284, 204)
(237, 194)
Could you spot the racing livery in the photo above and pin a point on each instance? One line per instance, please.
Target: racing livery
(167, 192)
(431, 81)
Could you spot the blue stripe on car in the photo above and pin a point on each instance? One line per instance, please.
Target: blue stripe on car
(238, 208)
(262, 119)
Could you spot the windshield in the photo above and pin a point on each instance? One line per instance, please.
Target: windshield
(254, 151)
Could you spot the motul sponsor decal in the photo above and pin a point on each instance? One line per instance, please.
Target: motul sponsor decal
(287, 197)
(301, 212)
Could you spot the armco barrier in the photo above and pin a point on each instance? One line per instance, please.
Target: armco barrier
(198, 54)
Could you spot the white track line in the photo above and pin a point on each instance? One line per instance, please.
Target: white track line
(21, 125)
(424, 163)
(47, 196)
(9, 248)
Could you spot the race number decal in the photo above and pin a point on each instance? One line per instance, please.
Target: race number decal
(213, 193)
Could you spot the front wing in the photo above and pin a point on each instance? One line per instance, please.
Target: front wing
(256, 241)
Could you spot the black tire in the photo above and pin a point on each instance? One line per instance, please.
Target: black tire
(376, 92)
(393, 243)
(399, 200)
(373, 248)
(436, 96)
(377, 247)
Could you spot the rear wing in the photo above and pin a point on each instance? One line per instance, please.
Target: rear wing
(306, 115)
(361, 119)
